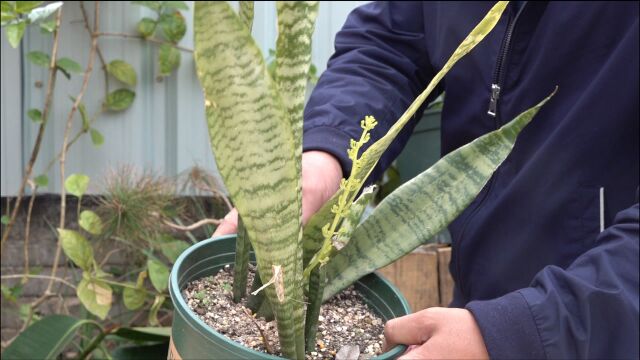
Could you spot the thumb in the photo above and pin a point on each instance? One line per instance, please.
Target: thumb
(229, 224)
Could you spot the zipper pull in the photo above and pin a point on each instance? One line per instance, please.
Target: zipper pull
(493, 102)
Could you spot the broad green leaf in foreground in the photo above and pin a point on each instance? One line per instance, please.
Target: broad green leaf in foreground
(46, 338)
(422, 207)
(245, 116)
(144, 333)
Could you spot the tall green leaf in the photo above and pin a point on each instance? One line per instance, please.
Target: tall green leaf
(46, 338)
(241, 263)
(246, 13)
(296, 22)
(422, 207)
(371, 156)
(255, 152)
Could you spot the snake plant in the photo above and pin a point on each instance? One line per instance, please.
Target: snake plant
(255, 127)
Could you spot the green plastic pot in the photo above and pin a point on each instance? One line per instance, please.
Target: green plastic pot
(193, 339)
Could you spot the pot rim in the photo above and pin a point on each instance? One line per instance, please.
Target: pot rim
(181, 306)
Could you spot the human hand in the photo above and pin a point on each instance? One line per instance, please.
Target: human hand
(437, 333)
(321, 174)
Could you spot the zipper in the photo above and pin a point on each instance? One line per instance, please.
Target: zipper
(500, 63)
(493, 112)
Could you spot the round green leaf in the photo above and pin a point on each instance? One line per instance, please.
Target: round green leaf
(39, 58)
(96, 296)
(122, 71)
(41, 180)
(146, 27)
(35, 115)
(91, 222)
(173, 26)
(68, 66)
(5, 219)
(15, 32)
(76, 248)
(133, 298)
(169, 59)
(159, 274)
(120, 99)
(96, 137)
(77, 184)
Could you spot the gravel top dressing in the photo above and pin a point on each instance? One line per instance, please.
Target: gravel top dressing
(344, 320)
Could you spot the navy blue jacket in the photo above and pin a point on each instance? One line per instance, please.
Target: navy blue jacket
(529, 259)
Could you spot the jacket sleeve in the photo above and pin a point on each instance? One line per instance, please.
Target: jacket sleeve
(589, 310)
(379, 66)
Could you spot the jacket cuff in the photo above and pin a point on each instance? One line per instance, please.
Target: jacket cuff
(508, 327)
(330, 140)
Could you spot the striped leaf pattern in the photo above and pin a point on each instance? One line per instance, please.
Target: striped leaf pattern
(372, 155)
(296, 22)
(246, 13)
(255, 152)
(241, 262)
(424, 206)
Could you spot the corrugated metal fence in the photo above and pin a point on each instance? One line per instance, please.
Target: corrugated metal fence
(164, 130)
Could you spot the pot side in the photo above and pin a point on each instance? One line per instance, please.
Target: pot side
(191, 338)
